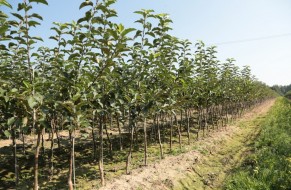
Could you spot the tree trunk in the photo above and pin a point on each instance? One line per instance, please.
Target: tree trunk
(128, 161)
(15, 157)
(42, 144)
(70, 183)
(145, 141)
(52, 150)
(108, 139)
(179, 132)
(206, 118)
(171, 132)
(36, 155)
(204, 121)
(74, 168)
(188, 125)
(159, 138)
(119, 131)
(94, 138)
(23, 141)
(58, 137)
(100, 160)
(135, 142)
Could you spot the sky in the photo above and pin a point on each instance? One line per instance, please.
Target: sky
(253, 32)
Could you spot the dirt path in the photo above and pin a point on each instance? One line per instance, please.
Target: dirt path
(206, 166)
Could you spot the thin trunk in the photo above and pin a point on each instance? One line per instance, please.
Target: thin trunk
(179, 133)
(119, 131)
(204, 121)
(94, 138)
(23, 141)
(15, 157)
(108, 139)
(94, 144)
(165, 122)
(145, 141)
(110, 121)
(159, 138)
(52, 150)
(70, 183)
(36, 155)
(199, 118)
(74, 168)
(226, 113)
(58, 137)
(188, 125)
(42, 143)
(171, 132)
(206, 118)
(154, 133)
(100, 160)
(136, 145)
(128, 161)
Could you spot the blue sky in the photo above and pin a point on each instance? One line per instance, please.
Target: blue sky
(213, 22)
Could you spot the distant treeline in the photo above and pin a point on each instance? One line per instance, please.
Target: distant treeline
(283, 90)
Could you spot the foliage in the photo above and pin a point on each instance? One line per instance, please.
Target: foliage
(288, 94)
(282, 90)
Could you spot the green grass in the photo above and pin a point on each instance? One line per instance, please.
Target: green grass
(269, 167)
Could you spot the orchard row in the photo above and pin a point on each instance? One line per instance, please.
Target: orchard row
(101, 74)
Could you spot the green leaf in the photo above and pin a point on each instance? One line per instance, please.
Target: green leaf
(30, 42)
(109, 2)
(5, 3)
(39, 98)
(126, 31)
(10, 121)
(151, 34)
(54, 38)
(37, 38)
(82, 20)
(39, 1)
(20, 6)
(14, 90)
(84, 135)
(120, 27)
(34, 55)
(158, 54)
(31, 102)
(105, 51)
(69, 105)
(2, 91)
(7, 134)
(3, 16)
(3, 47)
(139, 12)
(33, 23)
(76, 97)
(11, 44)
(3, 29)
(44, 123)
(36, 16)
(18, 16)
(86, 3)
(72, 56)
(24, 121)
(27, 84)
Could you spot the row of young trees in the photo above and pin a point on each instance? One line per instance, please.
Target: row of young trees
(102, 75)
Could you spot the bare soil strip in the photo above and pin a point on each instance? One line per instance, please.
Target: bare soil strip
(206, 165)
